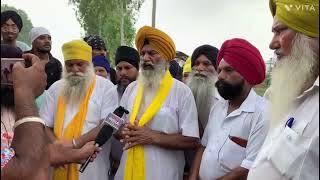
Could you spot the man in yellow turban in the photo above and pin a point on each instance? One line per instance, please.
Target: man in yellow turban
(291, 150)
(77, 104)
(163, 115)
(186, 70)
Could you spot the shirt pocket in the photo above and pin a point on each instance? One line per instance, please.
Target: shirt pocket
(231, 155)
(165, 120)
(93, 116)
(287, 151)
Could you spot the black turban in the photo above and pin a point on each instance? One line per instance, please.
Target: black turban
(209, 51)
(175, 70)
(129, 55)
(96, 42)
(14, 16)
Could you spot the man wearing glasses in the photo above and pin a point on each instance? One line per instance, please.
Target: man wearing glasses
(11, 25)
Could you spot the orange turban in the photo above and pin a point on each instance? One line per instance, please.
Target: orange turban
(158, 40)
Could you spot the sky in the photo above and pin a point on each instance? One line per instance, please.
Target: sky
(190, 23)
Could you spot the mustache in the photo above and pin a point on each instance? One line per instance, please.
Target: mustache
(203, 74)
(147, 64)
(47, 44)
(75, 74)
(222, 83)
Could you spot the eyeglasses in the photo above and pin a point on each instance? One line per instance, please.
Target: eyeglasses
(12, 28)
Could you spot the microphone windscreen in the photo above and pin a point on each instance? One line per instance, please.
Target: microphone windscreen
(104, 134)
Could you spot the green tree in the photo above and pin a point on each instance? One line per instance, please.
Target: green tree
(27, 24)
(113, 20)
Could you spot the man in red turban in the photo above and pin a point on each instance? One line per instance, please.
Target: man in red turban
(236, 127)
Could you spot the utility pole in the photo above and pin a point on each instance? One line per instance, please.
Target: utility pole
(154, 9)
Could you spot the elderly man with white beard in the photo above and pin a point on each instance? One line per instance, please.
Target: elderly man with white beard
(291, 150)
(77, 104)
(201, 81)
(163, 115)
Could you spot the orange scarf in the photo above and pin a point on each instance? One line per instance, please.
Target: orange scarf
(73, 130)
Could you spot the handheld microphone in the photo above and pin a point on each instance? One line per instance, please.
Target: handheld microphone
(112, 121)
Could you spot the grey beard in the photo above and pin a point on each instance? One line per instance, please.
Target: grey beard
(152, 78)
(203, 90)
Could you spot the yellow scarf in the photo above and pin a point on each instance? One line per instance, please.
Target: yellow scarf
(135, 164)
(73, 130)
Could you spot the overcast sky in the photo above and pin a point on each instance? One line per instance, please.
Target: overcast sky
(190, 23)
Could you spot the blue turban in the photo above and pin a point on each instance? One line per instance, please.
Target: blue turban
(102, 62)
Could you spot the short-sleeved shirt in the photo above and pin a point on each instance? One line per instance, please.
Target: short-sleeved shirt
(178, 114)
(221, 154)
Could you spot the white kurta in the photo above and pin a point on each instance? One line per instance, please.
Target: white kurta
(292, 153)
(103, 100)
(178, 114)
(221, 154)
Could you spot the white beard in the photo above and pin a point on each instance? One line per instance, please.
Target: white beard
(203, 90)
(75, 86)
(290, 76)
(151, 79)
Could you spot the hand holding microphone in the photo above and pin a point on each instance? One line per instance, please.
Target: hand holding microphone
(113, 121)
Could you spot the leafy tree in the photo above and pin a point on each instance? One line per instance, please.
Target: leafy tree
(27, 24)
(113, 20)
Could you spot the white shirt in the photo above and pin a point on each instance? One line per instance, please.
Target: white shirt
(103, 100)
(293, 153)
(23, 46)
(221, 155)
(178, 114)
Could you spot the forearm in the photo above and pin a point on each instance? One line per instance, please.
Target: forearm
(25, 106)
(49, 132)
(194, 171)
(29, 142)
(175, 141)
(89, 136)
(31, 155)
(238, 173)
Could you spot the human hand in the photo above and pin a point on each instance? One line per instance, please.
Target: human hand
(135, 135)
(33, 80)
(87, 150)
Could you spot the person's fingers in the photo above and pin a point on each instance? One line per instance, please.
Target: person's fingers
(133, 127)
(132, 133)
(131, 140)
(17, 66)
(131, 145)
(90, 142)
(31, 57)
(97, 149)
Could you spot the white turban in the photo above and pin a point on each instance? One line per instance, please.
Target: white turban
(36, 32)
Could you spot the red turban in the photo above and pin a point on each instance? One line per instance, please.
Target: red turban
(244, 58)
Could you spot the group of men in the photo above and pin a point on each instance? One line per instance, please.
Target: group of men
(210, 125)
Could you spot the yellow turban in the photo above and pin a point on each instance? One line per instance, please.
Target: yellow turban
(77, 49)
(187, 66)
(299, 15)
(158, 40)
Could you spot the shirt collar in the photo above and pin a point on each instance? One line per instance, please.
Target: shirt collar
(248, 104)
(315, 85)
